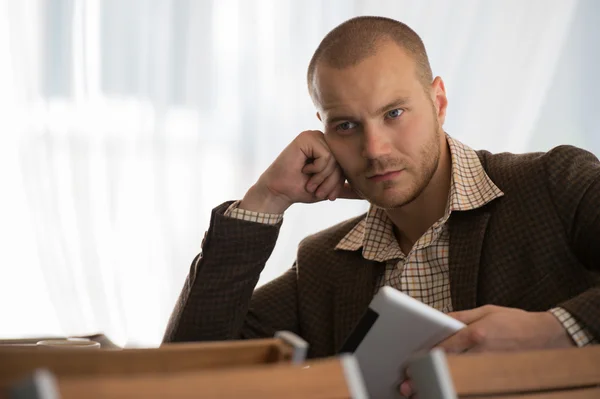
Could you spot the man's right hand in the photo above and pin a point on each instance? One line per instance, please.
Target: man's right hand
(305, 171)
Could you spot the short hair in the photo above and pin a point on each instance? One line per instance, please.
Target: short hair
(358, 38)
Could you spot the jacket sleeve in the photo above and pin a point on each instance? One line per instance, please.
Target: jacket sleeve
(574, 183)
(218, 300)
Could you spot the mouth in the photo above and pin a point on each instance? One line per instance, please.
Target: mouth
(385, 176)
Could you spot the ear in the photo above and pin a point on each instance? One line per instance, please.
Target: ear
(438, 97)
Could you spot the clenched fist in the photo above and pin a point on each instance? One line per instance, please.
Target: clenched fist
(305, 171)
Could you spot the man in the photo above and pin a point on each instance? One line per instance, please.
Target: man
(506, 243)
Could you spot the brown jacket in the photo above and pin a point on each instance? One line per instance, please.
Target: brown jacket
(535, 248)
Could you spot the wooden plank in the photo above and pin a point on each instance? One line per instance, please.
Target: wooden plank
(586, 393)
(531, 371)
(18, 363)
(322, 379)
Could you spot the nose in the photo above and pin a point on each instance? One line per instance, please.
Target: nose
(375, 142)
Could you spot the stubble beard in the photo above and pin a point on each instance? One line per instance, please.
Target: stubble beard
(430, 158)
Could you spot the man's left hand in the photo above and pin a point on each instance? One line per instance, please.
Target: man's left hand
(495, 328)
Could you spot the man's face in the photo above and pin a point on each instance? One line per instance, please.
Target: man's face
(382, 125)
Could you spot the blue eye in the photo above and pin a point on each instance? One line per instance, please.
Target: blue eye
(394, 113)
(345, 126)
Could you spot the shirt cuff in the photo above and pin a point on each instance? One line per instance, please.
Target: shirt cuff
(249, 216)
(579, 334)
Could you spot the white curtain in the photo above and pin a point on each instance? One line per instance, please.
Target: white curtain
(124, 122)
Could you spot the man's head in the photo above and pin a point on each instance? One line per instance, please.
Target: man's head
(371, 82)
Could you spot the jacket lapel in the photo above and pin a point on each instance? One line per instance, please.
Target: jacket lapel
(353, 293)
(467, 231)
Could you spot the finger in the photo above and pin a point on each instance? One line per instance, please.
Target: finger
(315, 181)
(406, 388)
(319, 160)
(313, 145)
(328, 187)
(463, 340)
(315, 165)
(338, 189)
(472, 315)
(348, 192)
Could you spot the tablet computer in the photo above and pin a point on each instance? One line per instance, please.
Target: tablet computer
(394, 328)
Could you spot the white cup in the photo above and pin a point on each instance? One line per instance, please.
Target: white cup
(69, 343)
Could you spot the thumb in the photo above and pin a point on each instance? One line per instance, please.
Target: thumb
(348, 192)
